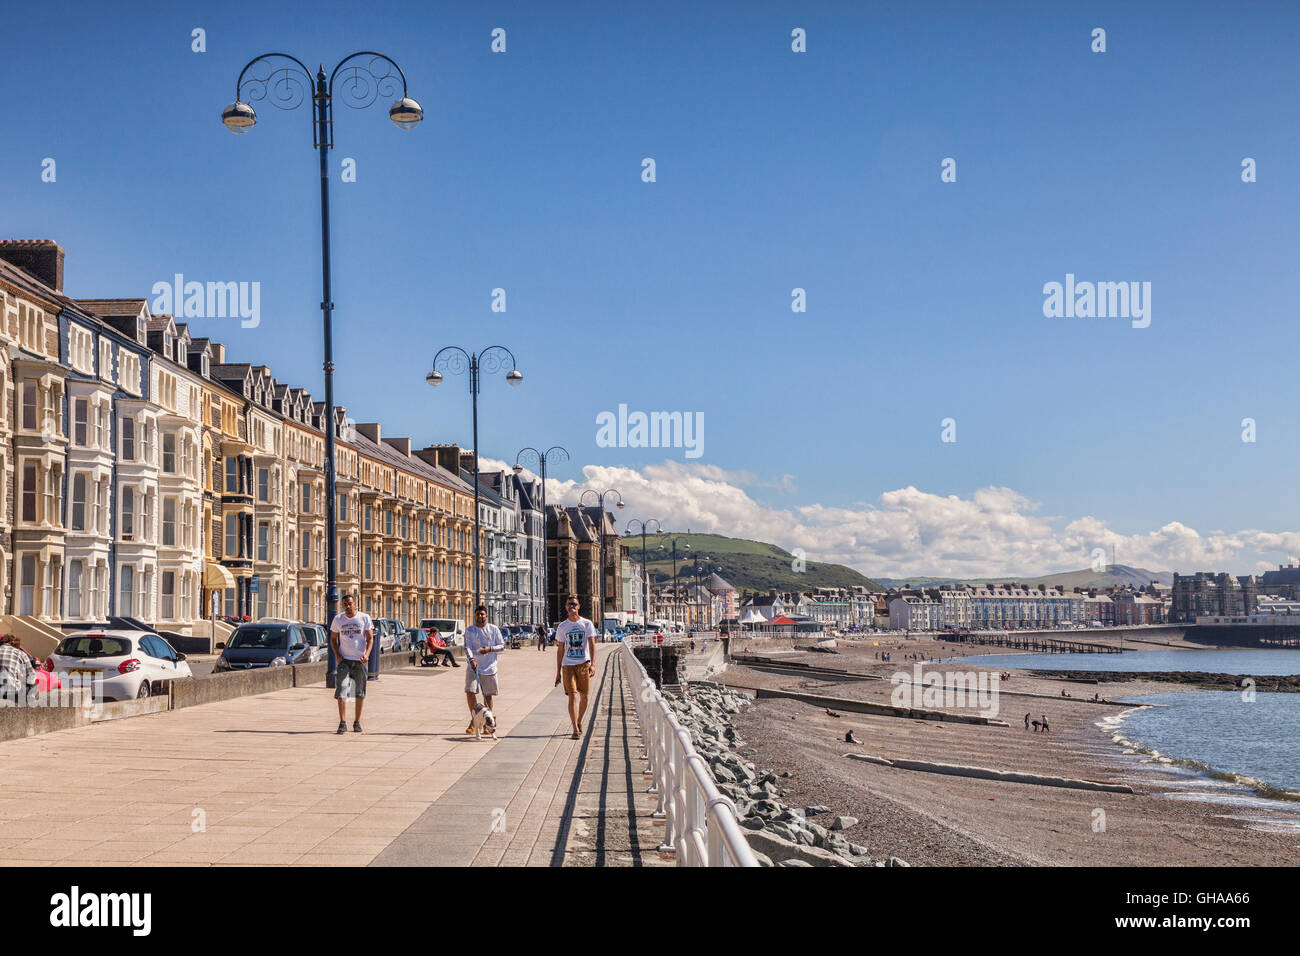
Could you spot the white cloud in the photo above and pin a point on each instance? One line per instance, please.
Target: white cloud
(908, 531)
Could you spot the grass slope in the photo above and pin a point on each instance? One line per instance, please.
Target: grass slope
(747, 565)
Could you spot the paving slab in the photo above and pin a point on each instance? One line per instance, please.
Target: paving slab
(259, 779)
(264, 780)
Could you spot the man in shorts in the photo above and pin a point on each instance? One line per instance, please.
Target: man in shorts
(352, 636)
(483, 642)
(575, 661)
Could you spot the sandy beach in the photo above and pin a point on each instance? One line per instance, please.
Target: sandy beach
(935, 819)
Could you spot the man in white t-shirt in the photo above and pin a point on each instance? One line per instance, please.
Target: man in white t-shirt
(483, 642)
(352, 636)
(575, 661)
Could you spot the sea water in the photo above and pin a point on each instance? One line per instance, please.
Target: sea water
(1245, 661)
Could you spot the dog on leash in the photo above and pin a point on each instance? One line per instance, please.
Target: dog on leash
(484, 722)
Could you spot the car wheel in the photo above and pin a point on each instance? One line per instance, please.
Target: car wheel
(143, 692)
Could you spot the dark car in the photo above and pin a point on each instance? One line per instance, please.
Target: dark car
(265, 644)
(416, 637)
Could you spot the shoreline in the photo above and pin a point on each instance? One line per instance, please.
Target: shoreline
(1178, 814)
(1245, 782)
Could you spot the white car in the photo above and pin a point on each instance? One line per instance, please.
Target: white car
(128, 663)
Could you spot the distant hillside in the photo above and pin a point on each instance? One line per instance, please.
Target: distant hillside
(747, 565)
(1117, 575)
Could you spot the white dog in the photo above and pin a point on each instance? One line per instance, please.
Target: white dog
(485, 722)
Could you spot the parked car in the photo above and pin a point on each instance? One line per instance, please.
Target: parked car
(269, 642)
(401, 638)
(318, 640)
(384, 635)
(130, 664)
(416, 637)
(46, 679)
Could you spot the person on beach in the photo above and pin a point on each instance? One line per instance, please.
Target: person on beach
(482, 644)
(1045, 727)
(352, 635)
(1026, 721)
(575, 661)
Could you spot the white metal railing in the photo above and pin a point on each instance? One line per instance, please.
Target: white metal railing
(672, 639)
(700, 824)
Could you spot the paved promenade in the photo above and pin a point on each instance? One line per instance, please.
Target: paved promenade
(265, 780)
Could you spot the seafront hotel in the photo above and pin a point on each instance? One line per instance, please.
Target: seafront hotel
(149, 475)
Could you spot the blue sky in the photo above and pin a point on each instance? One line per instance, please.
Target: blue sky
(775, 170)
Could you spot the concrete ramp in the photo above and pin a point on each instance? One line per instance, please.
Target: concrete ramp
(706, 664)
(987, 773)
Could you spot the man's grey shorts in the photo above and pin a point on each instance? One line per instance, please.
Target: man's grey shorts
(350, 680)
(476, 683)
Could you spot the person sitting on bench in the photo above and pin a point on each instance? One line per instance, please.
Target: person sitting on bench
(436, 648)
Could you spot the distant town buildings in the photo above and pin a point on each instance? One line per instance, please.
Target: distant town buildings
(1207, 593)
(960, 607)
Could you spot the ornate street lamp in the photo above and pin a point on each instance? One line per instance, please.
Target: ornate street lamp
(285, 82)
(645, 568)
(601, 498)
(542, 457)
(457, 361)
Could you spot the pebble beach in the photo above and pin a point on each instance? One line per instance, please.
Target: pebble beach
(934, 819)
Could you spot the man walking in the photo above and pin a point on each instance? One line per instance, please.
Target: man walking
(352, 636)
(483, 642)
(575, 661)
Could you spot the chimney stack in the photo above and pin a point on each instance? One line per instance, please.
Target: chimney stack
(39, 258)
(446, 457)
(403, 445)
(370, 430)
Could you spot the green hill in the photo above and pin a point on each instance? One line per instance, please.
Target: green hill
(747, 565)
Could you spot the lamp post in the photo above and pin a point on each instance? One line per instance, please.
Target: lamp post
(456, 361)
(699, 575)
(675, 594)
(283, 87)
(542, 457)
(645, 568)
(601, 499)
